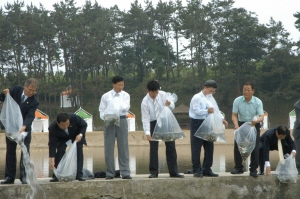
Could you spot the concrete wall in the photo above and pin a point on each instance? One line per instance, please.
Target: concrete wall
(232, 187)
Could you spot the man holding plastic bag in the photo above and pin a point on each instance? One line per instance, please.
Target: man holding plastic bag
(269, 142)
(24, 97)
(65, 130)
(151, 107)
(113, 108)
(200, 108)
(244, 109)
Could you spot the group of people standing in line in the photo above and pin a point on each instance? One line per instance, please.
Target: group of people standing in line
(70, 126)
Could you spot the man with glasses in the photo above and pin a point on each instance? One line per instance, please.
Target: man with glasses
(24, 96)
(244, 109)
(199, 110)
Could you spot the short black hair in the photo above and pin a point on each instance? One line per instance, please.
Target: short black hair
(248, 84)
(211, 84)
(117, 78)
(62, 117)
(282, 130)
(153, 85)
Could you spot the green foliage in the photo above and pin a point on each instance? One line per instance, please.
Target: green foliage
(181, 46)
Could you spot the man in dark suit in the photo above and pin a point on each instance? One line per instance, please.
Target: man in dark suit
(269, 142)
(24, 96)
(66, 127)
(296, 133)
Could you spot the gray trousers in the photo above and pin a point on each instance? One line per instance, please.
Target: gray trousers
(121, 134)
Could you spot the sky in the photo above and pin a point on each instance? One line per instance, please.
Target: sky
(280, 10)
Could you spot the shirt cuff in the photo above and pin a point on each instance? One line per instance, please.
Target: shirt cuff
(294, 151)
(267, 163)
(147, 132)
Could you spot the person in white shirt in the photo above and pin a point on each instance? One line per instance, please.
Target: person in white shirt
(113, 131)
(199, 110)
(149, 118)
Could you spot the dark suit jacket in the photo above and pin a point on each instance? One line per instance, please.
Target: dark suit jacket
(270, 142)
(296, 131)
(58, 136)
(28, 107)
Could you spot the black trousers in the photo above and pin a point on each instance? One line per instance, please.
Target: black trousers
(61, 150)
(285, 149)
(254, 155)
(171, 155)
(11, 158)
(196, 144)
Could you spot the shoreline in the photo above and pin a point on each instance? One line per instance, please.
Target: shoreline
(96, 139)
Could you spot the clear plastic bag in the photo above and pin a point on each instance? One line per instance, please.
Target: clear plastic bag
(245, 137)
(112, 113)
(286, 170)
(12, 120)
(211, 128)
(67, 168)
(167, 127)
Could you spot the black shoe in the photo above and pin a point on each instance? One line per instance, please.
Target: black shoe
(23, 181)
(8, 180)
(109, 178)
(127, 177)
(80, 179)
(198, 175)
(253, 174)
(237, 171)
(261, 173)
(177, 176)
(210, 174)
(54, 180)
(152, 176)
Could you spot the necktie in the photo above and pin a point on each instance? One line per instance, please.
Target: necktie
(156, 111)
(22, 98)
(117, 94)
(280, 151)
(67, 132)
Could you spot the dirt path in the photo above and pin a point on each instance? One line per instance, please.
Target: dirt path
(96, 138)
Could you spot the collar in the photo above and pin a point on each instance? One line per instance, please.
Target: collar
(251, 101)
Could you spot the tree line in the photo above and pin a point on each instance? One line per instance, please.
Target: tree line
(180, 46)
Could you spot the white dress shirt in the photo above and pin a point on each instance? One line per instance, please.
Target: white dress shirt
(199, 106)
(148, 111)
(110, 95)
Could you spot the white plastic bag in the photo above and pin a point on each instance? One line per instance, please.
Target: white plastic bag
(245, 137)
(67, 168)
(12, 120)
(286, 170)
(112, 113)
(211, 129)
(167, 127)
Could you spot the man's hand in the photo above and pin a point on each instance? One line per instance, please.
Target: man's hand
(210, 110)
(236, 127)
(78, 137)
(167, 103)
(253, 123)
(293, 154)
(51, 163)
(268, 171)
(23, 129)
(149, 137)
(5, 91)
(225, 123)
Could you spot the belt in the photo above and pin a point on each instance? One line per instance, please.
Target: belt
(123, 116)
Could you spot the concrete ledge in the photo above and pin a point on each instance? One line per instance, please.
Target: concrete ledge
(225, 186)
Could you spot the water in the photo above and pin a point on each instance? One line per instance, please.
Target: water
(31, 179)
(223, 160)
